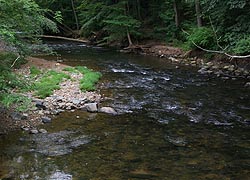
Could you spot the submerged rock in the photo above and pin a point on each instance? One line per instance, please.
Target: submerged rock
(247, 84)
(43, 131)
(34, 131)
(58, 175)
(108, 110)
(56, 144)
(177, 141)
(142, 174)
(46, 120)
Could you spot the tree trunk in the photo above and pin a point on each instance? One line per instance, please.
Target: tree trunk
(198, 13)
(130, 43)
(139, 9)
(177, 14)
(74, 11)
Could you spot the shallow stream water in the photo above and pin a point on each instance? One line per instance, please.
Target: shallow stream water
(172, 123)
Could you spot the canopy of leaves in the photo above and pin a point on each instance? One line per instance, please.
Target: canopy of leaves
(22, 18)
(111, 20)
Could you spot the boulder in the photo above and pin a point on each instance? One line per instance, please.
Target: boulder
(91, 107)
(108, 110)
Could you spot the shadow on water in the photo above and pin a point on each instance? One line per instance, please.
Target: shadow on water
(172, 124)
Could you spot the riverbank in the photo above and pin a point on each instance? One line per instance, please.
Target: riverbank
(215, 65)
(68, 97)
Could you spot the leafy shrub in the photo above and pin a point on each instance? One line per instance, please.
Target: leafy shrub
(203, 37)
(242, 47)
(7, 59)
(8, 79)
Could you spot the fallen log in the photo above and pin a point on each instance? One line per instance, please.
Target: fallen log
(64, 38)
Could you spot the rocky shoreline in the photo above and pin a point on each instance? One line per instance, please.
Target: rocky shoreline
(68, 98)
(218, 66)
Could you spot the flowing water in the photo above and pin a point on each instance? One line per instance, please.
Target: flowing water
(171, 124)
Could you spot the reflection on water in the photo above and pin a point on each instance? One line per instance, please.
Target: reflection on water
(172, 124)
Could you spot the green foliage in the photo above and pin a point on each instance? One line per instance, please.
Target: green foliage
(92, 16)
(60, 10)
(242, 47)
(203, 37)
(118, 26)
(109, 17)
(231, 21)
(22, 18)
(9, 80)
(7, 59)
(58, 16)
(48, 83)
(110, 21)
(165, 28)
(21, 103)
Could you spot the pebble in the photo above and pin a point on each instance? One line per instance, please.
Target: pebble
(41, 113)
(225, 78)
(25, 128)
(39, 104)
(34, 131)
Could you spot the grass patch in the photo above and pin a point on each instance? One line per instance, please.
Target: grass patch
(34, 71)
(71, 70)
(48, 83)
(21, 103)
(90, 78)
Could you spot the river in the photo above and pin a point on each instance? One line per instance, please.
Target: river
(172, 123)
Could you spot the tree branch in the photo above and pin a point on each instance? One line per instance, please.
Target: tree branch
(15, 61)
